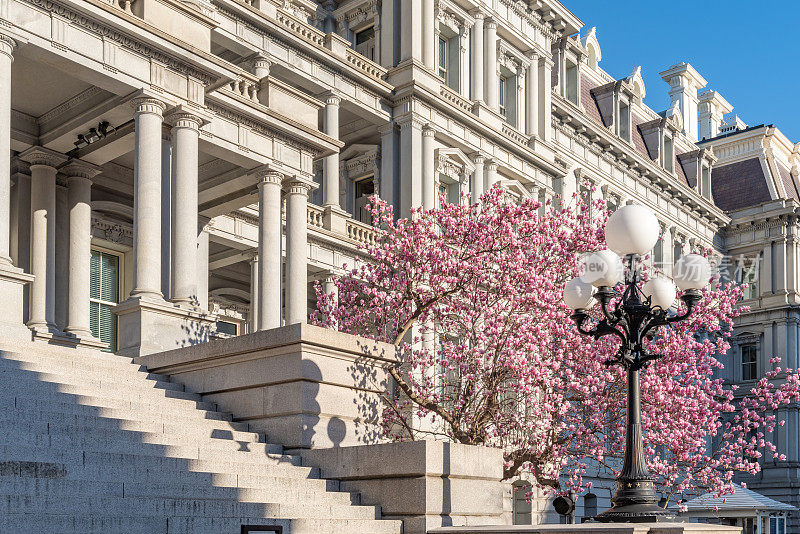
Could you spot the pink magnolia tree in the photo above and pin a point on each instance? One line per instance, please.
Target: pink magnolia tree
(472, 297)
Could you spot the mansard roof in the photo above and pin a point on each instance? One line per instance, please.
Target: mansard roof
(739, 185)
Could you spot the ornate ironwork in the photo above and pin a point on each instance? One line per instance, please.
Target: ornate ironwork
(634, 321)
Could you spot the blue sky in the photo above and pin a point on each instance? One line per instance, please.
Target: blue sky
(747, 52)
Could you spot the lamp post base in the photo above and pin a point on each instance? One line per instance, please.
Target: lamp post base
(635, 513)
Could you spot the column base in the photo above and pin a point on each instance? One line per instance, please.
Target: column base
(12, 282)
(147, 325)
(335, 219)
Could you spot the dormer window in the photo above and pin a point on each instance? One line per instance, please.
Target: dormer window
(624, 120)
(705, 182)
(669, 154)
(571, 92)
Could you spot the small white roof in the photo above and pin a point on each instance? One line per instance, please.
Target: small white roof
(741, 499)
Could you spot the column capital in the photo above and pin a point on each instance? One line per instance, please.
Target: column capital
(184, 120)
(491, 165)
(533, 55)
(332, 99)
(145, 104)
(262, 62)
(545, 61)
(7, 46)
(269, 175)
(478, 159)
(37, 155)
(428, 131)
(76, 168)
(298, 185)
(410, 121)
(490, 24)
(477, 14)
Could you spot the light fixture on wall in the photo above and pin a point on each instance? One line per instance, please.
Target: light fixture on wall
(94, 134)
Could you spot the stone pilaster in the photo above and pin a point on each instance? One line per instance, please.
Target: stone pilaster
(476, 58)
(428, 40)
(492, 83)
(544, 107)
(429, 192)
(532, 96)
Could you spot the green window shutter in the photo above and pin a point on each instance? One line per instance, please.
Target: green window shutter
(104, 294)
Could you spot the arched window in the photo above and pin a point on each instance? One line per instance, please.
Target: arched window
(589, 505)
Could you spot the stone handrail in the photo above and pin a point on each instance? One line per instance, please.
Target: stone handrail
(315, 216)
(245, 85)
(125, 5)
(515, 134)
(361, 233)
(365, 64)
(298, 27)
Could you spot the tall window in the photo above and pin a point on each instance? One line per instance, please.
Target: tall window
(747, 273)
(522, 507)
(705, 182)
(365, 42)
(228, 328)
(658, 254)
(669, 154)
(103, 296)
(749, 361)
(590, 505)
(502, 95)
(443, 59)
(363, 190)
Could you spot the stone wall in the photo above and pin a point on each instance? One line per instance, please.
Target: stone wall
(301, 385)
(427, 484)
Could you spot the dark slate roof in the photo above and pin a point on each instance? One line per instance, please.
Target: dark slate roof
(741, 499)
(789, 183)
(588, 101)
(739, 185)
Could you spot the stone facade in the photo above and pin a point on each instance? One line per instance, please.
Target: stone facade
(212, 159)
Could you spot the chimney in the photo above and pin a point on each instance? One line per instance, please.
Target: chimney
(712, 108)
(684, 83)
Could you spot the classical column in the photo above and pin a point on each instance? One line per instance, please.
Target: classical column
(666, 250)
(330, 288)
(6, 58)
(297, 190)
(477, 178)
(428, 168)
(167, 193)
(531, 100)
(254, 291)
(147, 198)
(428, 27)
(544, 107)
(491, 174)
(330, 165)
(202, 262)
(269, 250)
(492, 82)
(43, 236)
(185, 136)
(261, 66)
(79, 181)
(476, 58)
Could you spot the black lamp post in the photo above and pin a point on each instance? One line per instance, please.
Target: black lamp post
(635, 318)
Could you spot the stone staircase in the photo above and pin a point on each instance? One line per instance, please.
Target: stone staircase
(90, 442)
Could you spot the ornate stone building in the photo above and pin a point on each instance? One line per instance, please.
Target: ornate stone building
(172, 171)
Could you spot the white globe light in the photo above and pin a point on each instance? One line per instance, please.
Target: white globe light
(632, 229)
(691, 271)
(578, 294)
(661, 292)
(602, 268)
